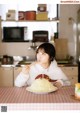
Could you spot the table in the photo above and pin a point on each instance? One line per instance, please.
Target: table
(20, 98)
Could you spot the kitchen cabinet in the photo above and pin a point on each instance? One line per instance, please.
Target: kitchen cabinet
(6, 76)
(17, 70)
(71, 72)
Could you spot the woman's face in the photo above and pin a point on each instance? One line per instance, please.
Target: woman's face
(42, 57)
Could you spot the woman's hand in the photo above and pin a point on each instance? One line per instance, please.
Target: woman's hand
(58, 84)
(26, 69)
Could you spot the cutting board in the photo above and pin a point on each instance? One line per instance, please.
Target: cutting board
(61, 46)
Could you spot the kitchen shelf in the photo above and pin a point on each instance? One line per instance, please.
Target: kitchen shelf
(54, 20)
(50, 24)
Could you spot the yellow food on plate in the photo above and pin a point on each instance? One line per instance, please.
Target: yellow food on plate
(41, 85)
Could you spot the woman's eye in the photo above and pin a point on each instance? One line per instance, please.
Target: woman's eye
(43, 53)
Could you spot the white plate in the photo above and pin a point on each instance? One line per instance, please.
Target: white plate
(6, 65)
(23, 65)
(30, 90)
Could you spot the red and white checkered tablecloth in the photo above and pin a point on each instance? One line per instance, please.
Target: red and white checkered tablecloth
(21, 99)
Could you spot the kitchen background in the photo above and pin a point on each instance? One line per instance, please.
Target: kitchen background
(68, 14)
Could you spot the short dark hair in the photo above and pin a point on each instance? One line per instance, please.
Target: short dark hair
(49, 49)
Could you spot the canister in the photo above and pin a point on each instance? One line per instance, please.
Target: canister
(21, 15)
(30, 15)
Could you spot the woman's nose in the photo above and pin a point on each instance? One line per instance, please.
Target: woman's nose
(39, 56)
(40, 53)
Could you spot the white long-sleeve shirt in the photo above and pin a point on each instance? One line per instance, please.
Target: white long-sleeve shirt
(53, 71)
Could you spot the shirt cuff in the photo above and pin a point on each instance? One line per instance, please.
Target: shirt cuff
(65, 82)
(26, 76)
(61, 82)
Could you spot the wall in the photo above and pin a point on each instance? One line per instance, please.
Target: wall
(66, 31)
(17, 49)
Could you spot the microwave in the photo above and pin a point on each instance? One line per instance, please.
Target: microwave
(40, 36)
(14, 34)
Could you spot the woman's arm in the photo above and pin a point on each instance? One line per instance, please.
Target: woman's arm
(60, 83)
(22, 78)
(59, 75)
(63, 79)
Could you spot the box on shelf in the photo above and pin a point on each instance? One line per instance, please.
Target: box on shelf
(61, 46)
(10, 15)
(42, 16)
(42, 7)
(11, 11)
(21, 15)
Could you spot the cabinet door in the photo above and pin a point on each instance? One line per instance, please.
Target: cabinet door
(71, 73)
(6, 76)
(17, 70)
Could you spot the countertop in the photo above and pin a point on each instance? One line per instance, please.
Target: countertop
(68, 65)
(60, 99)
(20, 65)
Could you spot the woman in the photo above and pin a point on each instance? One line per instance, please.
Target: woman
(45, 64)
